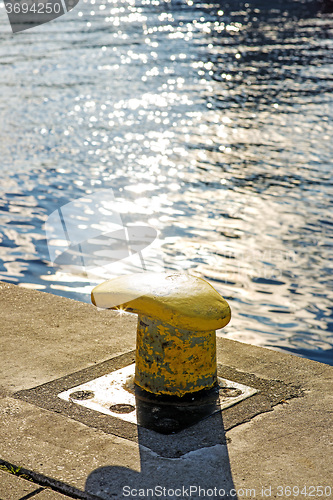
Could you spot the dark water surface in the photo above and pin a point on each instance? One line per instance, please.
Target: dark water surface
(214, 118)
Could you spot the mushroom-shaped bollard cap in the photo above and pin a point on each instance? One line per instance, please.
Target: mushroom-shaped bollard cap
(176, 340)
(178, 299)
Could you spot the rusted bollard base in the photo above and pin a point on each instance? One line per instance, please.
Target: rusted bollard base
(173, 361)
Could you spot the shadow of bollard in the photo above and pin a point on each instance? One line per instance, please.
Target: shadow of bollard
(193, 463)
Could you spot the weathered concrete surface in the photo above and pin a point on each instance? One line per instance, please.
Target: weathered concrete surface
(44, 337)
(288, 446)
(13, 487)
(48, 494)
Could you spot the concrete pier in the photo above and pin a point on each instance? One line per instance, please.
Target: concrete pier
(276, 444)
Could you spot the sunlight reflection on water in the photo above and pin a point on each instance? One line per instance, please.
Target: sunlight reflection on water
(216, 121)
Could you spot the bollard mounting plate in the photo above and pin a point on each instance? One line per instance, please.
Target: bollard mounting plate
(115, 394)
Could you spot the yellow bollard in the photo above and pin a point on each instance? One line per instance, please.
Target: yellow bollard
(177, 318)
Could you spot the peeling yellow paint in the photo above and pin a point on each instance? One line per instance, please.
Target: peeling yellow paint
(174, 361)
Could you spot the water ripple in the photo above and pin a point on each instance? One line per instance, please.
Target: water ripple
(215, 120)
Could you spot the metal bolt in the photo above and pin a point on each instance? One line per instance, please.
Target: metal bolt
(81, 395)
(230, 392)
(122, 408)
